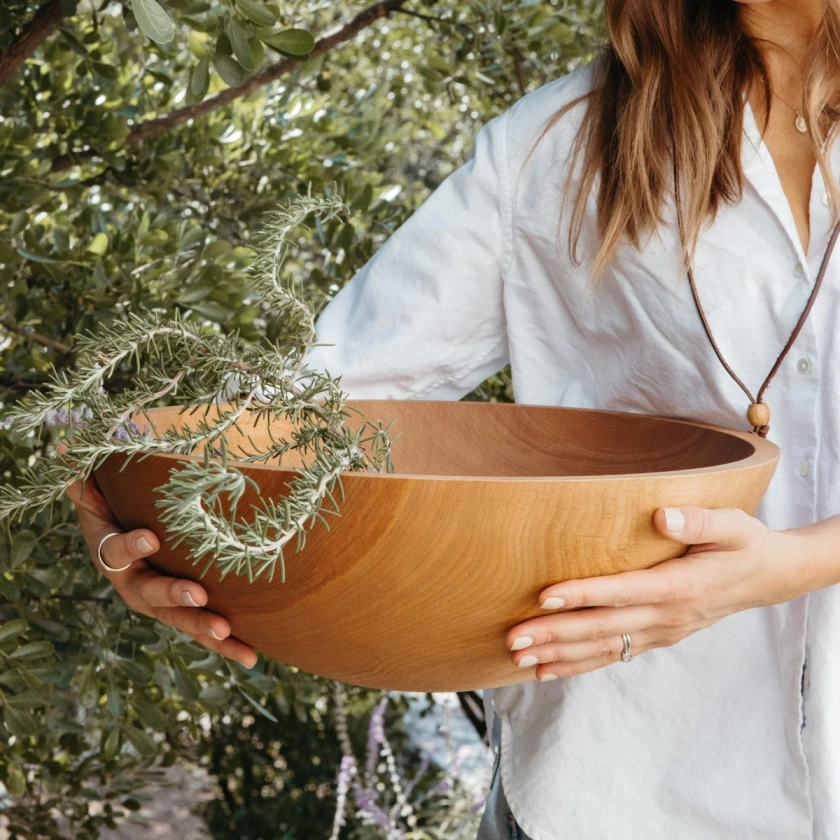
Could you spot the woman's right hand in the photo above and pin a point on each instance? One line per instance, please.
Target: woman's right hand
(173, 601)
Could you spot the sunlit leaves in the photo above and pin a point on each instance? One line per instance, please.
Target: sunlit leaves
(153, 20)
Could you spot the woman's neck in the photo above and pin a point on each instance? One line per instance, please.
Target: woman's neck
(790, 24)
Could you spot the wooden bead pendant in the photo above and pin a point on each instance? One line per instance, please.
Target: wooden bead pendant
(759, 414)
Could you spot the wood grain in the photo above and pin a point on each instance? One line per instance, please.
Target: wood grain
(416, 583)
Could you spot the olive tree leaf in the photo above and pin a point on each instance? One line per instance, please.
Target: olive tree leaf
(231, 71)
(140, 740)
(214, 694)
(153, 21)
(19, 723)
(20, 221)
(33, 650)
(15, 781)
(99, 244)
(200, 77)
(12, 629)
(22, 547)
(240, 41)
(112, 743)
(294, 43)
(256, 12)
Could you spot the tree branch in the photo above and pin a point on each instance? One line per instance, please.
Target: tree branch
(45, 21)
(520, 76)
(41, 339)
(149, 128)
(430, 18)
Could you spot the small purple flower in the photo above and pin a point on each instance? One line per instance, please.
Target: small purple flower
(127, 432)
(50, 418)
(376, 727)
(6, 422)
(376, 734)
(345, 772)
(62, 416)
(366, 802)
(77, 417)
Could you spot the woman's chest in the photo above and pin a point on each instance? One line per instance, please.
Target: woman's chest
(635, 341)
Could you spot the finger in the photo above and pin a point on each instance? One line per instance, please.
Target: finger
(87, 497)
(195, 622)
(646, 586)
(570, 652)
(723, 528)
(593, 624)
(229, 647)
(232, 648)
(553, 670)
(607, 654)
(122, 549)
(159, 590)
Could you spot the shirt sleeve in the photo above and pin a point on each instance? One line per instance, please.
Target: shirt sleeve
(424, 318)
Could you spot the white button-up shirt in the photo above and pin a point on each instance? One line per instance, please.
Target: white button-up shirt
(703, 740)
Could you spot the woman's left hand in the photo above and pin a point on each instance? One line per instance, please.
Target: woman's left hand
(734, 563)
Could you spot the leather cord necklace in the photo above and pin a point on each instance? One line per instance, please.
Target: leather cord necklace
(759, 412)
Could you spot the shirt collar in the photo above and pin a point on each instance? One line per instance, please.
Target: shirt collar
(760, 171)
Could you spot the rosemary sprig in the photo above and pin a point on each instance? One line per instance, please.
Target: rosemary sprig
(226, 379)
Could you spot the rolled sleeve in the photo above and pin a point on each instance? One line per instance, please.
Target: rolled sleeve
(424, 318)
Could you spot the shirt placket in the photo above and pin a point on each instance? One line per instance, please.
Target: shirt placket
(810, 364)
(799, 377)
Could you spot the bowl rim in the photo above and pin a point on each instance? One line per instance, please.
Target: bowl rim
(764, 452)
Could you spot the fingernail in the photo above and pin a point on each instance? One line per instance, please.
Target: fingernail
(143, 545)
(528, 661)
(674, 520)
(214, 635)
(547, 677)
(553, 603)
(522, 642)
(187, 600)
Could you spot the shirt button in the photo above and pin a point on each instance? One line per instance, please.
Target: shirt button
(803, 468)
(798, 270)
(803, 365)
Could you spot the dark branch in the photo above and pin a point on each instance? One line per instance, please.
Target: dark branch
(520, 76)
(420, 15)
(41, 339)
(45, 21)
(147, 129)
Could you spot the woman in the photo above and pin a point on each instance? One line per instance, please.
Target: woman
(703, 735)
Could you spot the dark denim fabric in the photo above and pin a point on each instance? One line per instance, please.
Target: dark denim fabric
(498, 822)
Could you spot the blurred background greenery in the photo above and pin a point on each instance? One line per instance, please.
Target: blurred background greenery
(141, 144)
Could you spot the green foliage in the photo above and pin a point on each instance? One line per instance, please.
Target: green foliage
(106, 215)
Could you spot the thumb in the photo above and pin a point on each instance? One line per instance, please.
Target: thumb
(123, 549)
(726, 528)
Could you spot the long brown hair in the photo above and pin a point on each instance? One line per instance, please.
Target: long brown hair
(671, 78)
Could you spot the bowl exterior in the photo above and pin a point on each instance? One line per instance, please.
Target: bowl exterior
(418, 580)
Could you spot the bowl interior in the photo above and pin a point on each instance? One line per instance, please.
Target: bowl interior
(481, 439)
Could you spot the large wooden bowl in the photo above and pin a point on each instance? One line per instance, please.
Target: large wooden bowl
(416, 583)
